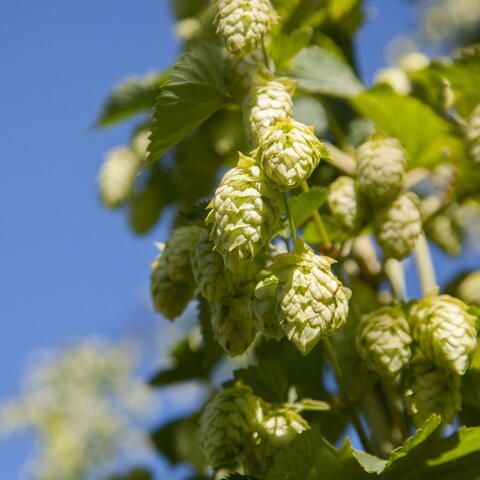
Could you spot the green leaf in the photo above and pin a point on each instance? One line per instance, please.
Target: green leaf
(320, 71)
(303, 205)
(137, 473)
(427, 137)
(195, 91)
(130, 97)
(310, 111)
(285, 46)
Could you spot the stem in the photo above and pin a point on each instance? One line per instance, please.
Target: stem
(425, 268)
(396, 276)
(400, 427)
(317, 219)
(340, 159)
(290, 218)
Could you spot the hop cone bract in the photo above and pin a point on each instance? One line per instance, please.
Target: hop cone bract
(242, 24)
(311, 301)
(228, 424)
(472, 133)
(398, 226)
(289, 152)
(346, 204)
(430, 389)
(380, 169)
(445, 331)
(383, 340)
(244, 214)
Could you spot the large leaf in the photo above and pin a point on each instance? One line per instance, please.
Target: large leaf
(130, 97)
(427, 137)
(320, 71)
(195, 91)
(303, 205)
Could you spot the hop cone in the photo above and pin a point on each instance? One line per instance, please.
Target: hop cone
(211, 277)
(383, 340)
(267, 103)
(380, 169)
(117, 176)
(264, 307)
(178, 251)
(233, 323)
(289, 152)
(242, 24)
(430, 389)
(472, 133)
(168, 297)
(445, 331)
(469, 289)
(242, 72)
(228, 424)
(445, 232)
(244, 213)
(398, 226)
(311, 301)
(346, 204)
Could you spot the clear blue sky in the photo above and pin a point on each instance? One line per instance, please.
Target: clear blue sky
(69, 268)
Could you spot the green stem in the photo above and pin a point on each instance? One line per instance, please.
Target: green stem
(293, 230)
(425, 268)
(317, 219)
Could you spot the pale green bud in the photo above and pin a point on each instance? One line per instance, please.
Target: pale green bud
(311, 301)
(346, 204)
(289, 152)
(381, 169)
(228, 424)
(472, 133)
(445, 331)
(383, 340)
(244, 214)
(243, 24)
(398, 226)
(430, 389)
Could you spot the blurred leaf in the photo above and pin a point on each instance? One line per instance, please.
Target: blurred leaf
(195, 91)
(320, 71)
(310, 111)
(188, 8)
(137, 473)
(426, 136)
(197, 213)
(213, 350)
(303, 205)
(285, 46)
(238, 476)
(130, 97)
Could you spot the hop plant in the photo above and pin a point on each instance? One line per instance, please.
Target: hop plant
(430, 389)
(233, 323)
(264, 307)
(241, 73)
(445, 232)
(380, 169)
(311, 301)
(472, 133)
(267, 103)
(242, 24)
(244, 214)
(346, 204)
(383, 340)
(445, 331)
(398, 226)
(228, 424)
(469, 289)
(289, 152)
(117, 176)
(169, 297)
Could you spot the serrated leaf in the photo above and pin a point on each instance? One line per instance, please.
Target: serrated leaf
(195, 91)
(286, 45)
(303, 205)
(320, 71)
(427, 137)
(130, 97)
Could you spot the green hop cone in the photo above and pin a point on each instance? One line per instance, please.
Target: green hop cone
(169, 297)
(398, 226)
(267, 103)
(211, 277)
(469, 289)
(264, 306)
(312, 303)
(383, 340)
(233, 323)
(241, 72)
(145, 209)
(445, 232)
(430, 389)
(228, 425)
(242, 24)
(244, 214)
(472, 133)
(178, 252)
(346, 204)
(117, 176)
(445, 331)
(380, 169)
(289, 152)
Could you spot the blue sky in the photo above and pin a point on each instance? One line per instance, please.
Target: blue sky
(69, 268)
